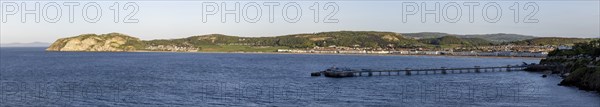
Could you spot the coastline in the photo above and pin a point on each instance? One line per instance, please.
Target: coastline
(311, 54)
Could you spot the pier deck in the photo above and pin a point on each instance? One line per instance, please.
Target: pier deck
(409, 71)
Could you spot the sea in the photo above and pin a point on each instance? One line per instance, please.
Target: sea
(34, 77)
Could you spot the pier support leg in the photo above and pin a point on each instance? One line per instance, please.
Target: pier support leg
(444, 70)
(370, 73)
(508, 68)
(477, 69)
(408, 71)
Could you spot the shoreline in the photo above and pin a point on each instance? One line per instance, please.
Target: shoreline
(312, 54)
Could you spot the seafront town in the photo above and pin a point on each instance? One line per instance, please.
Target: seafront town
(501, 51)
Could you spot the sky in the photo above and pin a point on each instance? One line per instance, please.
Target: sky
(149, 19)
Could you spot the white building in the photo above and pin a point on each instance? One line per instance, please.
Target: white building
(378, 52)
(432, 52)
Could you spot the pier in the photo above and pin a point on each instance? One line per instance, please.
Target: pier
(410, 71)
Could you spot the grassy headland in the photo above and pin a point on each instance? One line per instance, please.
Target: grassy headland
(580, 63)
(367, 40)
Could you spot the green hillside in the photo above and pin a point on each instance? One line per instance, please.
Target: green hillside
(227, 43)
(453, 41)
(544, 41)
(93, 42)
(496, 38)
(582, 65)
(341, 38)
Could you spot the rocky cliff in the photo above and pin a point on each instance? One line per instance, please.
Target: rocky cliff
(581, 65)
(586, 78)
(112, 42)
(581, 72)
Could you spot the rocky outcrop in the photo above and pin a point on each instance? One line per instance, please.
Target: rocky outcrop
(579, 65)
(112, 42)
(586, 78)
(581, 72)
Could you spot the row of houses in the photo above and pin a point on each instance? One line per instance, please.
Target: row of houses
(469, 53)
(332, 51)
(171, 48)
(501, 53)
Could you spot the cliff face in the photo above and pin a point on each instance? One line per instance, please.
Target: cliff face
(112, 42)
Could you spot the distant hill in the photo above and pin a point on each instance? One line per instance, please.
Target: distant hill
(427, 35)
(499, 37)
(359, 39)
(93, 42)
(453, 41)
(543, 41)
(32, 44)
(308, 40)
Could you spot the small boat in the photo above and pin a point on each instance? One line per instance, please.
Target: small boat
(338, 72)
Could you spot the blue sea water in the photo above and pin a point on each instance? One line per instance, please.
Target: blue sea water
(33, 77)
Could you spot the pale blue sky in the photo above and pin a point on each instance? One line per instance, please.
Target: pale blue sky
(177, 19)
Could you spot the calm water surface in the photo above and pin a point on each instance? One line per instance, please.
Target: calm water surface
(32, 77)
